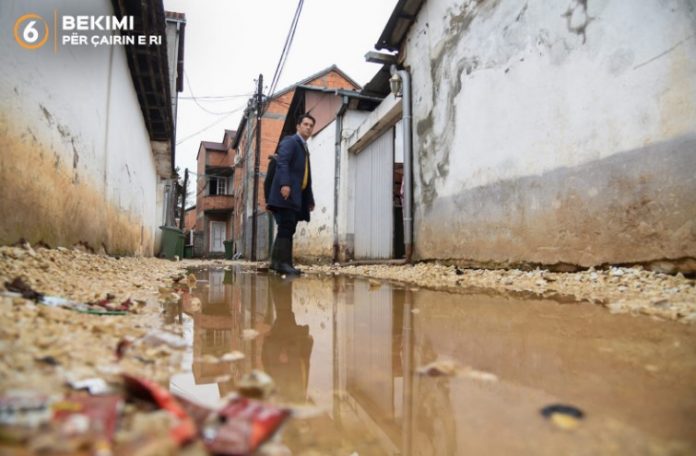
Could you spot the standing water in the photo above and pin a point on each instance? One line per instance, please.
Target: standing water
(380, 369)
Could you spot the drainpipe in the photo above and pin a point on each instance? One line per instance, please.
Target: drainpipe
(337, 173)
(408, 160)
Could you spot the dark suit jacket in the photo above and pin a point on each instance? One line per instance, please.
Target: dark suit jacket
(290, 167)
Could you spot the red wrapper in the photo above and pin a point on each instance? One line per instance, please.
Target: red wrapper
(242, 426)
(184, 430)
(102, 411)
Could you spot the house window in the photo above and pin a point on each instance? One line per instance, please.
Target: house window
(218, 186)
(221, 186)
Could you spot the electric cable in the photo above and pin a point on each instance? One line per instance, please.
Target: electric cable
(186, 138)
(194, 98)
(286, 48)
(215, 98)
(274, 82)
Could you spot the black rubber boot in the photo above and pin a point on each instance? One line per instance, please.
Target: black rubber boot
(290, 262)
(275, 256)
(280, 258)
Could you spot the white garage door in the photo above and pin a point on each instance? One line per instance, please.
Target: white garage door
(374, 216)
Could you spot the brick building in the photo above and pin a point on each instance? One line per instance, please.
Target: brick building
(214, 196)
(272, 121)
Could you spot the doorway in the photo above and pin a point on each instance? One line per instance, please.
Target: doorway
(217, 236)
(378, 198)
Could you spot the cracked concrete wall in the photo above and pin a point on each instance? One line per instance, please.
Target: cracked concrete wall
(555, 131)
(76, 162)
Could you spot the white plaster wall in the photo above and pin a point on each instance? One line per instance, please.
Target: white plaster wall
(79, 103)
(535, 97)
(505, 90)
(132, 177)
(316, 237)
(59, 97)
(160, 215)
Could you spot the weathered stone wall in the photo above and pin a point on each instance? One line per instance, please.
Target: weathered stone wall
(554, 132)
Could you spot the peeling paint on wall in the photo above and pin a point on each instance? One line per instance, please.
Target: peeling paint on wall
(435, 143)
(522, 108)
(577, 18)
(451, 62)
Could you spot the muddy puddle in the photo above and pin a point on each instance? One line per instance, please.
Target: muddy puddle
(384, 370)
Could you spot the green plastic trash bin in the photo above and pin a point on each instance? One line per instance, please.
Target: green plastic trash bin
(172, 242)
(228, 249)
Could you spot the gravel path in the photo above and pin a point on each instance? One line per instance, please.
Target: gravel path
(621, 290)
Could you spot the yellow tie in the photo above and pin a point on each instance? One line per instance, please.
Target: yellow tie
(305, 179)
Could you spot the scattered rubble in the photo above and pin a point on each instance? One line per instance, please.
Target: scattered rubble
(256, 385)
(71, 324)
(42, 340)
(82, 342)
(621, 290)
(445, 367)
(439, 368)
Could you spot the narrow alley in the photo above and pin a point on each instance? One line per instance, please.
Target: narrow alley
(366, 228)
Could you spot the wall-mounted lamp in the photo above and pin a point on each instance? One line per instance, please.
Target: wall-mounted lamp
(395, 84)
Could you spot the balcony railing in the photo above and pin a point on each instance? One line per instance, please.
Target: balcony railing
(218, 203)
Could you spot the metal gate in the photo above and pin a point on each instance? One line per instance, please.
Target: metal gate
(374, 218)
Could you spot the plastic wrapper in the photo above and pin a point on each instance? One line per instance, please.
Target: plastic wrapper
(183, 428)
(100, 413)
(242, 426)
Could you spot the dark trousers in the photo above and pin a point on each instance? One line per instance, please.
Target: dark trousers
(286, 219)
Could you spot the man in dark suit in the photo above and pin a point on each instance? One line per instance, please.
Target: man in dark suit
(291, 199)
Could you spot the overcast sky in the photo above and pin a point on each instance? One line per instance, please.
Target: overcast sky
(229, 42)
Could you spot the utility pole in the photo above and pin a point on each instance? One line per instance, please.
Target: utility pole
(257, 157)
(183, 201)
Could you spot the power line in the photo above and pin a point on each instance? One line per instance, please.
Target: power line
(286, 48)
(215, 97)
(193, 97)
(208, 101)
(276, 77)
(210, 125)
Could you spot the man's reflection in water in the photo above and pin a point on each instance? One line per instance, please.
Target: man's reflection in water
(287, 346)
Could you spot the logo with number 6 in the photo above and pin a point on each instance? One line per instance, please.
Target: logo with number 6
(31, 31)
